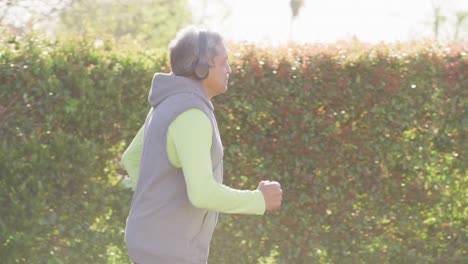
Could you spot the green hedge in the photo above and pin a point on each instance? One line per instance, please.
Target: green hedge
(369, 143)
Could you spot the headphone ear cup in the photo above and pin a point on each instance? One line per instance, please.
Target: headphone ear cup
(202, 68)
(201, 71)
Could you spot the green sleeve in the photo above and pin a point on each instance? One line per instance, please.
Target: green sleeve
(131, 158)
(190, 135)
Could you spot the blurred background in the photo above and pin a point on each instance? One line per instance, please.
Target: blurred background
(153, 23)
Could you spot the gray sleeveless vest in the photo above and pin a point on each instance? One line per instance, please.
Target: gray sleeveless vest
(163, 227)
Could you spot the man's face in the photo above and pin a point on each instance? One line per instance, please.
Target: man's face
(217, 80)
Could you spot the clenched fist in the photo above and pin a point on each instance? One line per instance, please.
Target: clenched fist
(272, 194)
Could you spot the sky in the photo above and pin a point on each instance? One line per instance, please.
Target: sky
(373, 21)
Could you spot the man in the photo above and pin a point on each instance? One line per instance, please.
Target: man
(179, 191)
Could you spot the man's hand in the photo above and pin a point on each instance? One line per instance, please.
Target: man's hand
(272, 194)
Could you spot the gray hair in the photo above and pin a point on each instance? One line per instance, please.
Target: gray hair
(184, 50)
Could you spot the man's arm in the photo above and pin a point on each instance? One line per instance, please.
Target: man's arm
(131, 157)
(191, 135)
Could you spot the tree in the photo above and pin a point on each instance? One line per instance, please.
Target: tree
(439, 19)
(143, 22)
(20, 16)
(461, 17)
(148, 23)
(296, 6)
(448, 23)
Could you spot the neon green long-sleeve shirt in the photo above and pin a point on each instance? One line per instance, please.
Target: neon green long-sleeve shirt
(193, 156)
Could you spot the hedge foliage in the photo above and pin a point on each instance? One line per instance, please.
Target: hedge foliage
(369, 143)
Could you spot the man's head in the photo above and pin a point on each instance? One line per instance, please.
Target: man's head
(185, 51)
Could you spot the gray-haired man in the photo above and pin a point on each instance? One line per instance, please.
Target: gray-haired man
(178, 156)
